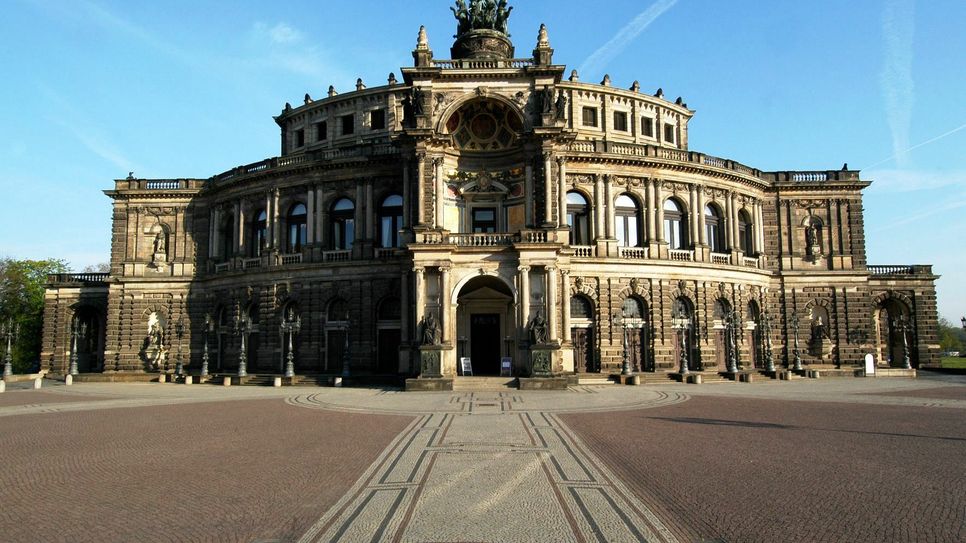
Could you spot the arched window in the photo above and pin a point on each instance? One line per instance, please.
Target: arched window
(297, 225)
(675, 219)
(342, 224)
(745, 232)
(633, 308)
(714, 226)
(259, 235)
(628, 223)
(226, 246)
(390, 221)
(578, 219)
(581, 308)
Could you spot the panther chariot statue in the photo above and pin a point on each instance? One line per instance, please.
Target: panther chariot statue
(481, 31)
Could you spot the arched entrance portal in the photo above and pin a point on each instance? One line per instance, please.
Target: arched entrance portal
(485, 323)
(892, 322)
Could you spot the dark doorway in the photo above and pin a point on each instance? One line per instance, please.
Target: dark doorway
(335, 348)
(485, 343)
(584, 360)
(638, 355)
(389, 350)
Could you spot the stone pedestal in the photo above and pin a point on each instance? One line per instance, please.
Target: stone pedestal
(482, 44)
(543, 358)
(437, 361)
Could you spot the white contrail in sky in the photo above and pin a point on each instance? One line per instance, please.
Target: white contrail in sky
(918, 145)
(898, 26)
(599, 58)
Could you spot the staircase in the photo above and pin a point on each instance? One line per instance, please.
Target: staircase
(484, 384)
(594, 379)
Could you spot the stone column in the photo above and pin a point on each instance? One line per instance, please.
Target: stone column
(239, 228)
(213, 233)
(693, 233)
(370, 213)
(420, 192)
(759, 228)
(528, 186)
(735, 230)
(445, 318)
(729, 223)
(562, 196)
(320, 210)
(609, 201)
(599, 207)
(650, 212)
(659, 210)
(276, 235)
(440, 184)
(404, 311)
(420, 275)
(547, 188)
(565, 305)
(524, 272)
(702, 223)
(551, 299)
(310, 219)
(407, 194)
(359, 216)
(269, 236)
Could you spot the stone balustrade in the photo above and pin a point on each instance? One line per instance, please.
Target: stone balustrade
(720, 258)
(900, 270)
(87, 277)
(633, 253)
(681, 255)
(584, 251)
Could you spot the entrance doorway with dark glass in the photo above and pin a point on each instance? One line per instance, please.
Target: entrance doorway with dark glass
(485, 343)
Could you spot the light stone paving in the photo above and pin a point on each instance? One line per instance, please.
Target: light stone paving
(489, 469)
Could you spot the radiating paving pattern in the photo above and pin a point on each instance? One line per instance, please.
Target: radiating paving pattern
(489, 470)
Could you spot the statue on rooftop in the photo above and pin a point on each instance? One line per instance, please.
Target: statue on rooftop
(481, 15)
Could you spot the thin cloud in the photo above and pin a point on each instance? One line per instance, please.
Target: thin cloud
(281, 33)
(958, 202)
(891, 181)
(898, 88)
(918, 145)
(601, 57)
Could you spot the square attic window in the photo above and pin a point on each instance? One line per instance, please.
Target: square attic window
(377, 119)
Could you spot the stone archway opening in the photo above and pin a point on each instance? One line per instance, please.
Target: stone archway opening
(485, 323)
(889, 345)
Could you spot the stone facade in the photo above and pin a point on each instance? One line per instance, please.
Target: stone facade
(490, 193)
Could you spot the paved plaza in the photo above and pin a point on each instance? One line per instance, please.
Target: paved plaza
(808, 460)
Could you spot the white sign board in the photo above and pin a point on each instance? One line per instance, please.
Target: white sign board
(506, 365)
(466, 365)
(869, 365)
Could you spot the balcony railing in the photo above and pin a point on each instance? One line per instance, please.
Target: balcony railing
(681, 255)
(901, 270)
(584, 251)
(481, 64)
(294, 258)
(481, 240)
(720, 258)
(635, 253)
(88, 277)
(222, 267)
(337, 256)
(750, 261)
(251, 263)
(385, 253)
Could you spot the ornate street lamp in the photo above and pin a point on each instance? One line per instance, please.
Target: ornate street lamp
(346, 354)
(683, 324)
(963, 320)
(621, 322)
(78, 332)
(797, 353)
(732, 321)
(902, 325)
(179, 333)
(290, 325)
(243, 326)
(11, 331)
(765, 335)
(209, 327)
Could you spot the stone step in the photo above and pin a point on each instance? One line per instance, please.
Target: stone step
(594, 380)
(473, 383)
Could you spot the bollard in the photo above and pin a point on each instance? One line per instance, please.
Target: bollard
(69, 380)
(188, 379)
(278, 382)
(3, 386)
(337, 382)
(636, 380)
(162, 378)
(37, 383)
(227, 382)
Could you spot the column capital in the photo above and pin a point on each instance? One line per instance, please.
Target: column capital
(561, 160)
(418, 269)
(550, 268)
(523, 269)
(548, 155)
(445, 268)
(565, 273)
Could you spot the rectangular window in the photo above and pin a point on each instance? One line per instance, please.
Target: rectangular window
(484, 220)
(348, 124)
(377, 119)
(647, 127)
(299, 138)
(669, 133)
(322, 131)
(620, 121)
(590, 116)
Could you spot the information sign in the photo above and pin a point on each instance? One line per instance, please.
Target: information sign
(466, 365)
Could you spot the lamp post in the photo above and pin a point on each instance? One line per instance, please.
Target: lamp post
(243, 326)
(682, 323)
(797, 353)
(179, 334)
(11, 331)
(621, 322)
(209, 327)
(766, 342)
(902, 325)
(731, 324)
(346, 354)
(77, 333)
(290, 325)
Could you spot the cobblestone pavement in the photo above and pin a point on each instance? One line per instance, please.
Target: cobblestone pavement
(809, 460)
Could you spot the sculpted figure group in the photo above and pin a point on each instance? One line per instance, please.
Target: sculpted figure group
(481, 14)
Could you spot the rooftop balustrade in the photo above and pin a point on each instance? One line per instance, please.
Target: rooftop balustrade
(893, 270)
(82, 278)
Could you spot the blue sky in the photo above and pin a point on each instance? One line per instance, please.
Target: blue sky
(94, 89)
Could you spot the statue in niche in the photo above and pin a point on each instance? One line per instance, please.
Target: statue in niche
(546, 99)
(431, 332)
(538, 329)
(160, 254)
(813, 239)
(561, 106)
(820, 344)
(154, 350)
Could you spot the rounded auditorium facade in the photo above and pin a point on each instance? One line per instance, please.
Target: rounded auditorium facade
(491, 214)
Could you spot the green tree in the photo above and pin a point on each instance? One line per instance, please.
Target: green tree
(950, 337)
(22, 302)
